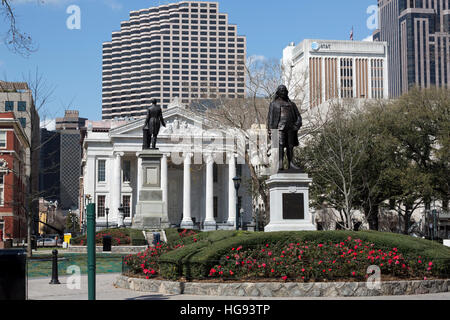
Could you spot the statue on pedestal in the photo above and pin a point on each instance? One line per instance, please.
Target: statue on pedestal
(284, 117)
(152, 124)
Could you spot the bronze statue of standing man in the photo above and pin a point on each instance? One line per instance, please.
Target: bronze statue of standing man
(152, 124)
(284, 117)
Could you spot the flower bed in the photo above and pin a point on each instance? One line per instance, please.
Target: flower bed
(296, 256)
(316, 262)
(147, 262)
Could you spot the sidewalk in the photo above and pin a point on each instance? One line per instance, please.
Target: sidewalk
(40, 289)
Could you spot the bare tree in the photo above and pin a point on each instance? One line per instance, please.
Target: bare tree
(332, 155)
(246, 117)
(17, 41)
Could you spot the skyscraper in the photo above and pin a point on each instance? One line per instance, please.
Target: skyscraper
(60, 161)
(186, 50)
(418, 37)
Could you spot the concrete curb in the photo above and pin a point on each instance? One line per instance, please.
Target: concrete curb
(281, 289)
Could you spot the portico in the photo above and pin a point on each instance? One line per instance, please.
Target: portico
(194, 173)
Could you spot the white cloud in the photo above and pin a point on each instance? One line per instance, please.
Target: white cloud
(368, 38)
(256, 58)
(49, 124)
(113, 4)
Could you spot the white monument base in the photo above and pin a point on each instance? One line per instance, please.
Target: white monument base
(150, 209)
(289, 203)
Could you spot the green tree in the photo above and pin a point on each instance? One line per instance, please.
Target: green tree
(420, 122)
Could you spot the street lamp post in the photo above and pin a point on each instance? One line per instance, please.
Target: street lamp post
(237, 184)
(107, 213)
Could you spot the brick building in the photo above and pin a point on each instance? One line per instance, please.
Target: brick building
(17, 97)
(13, 182)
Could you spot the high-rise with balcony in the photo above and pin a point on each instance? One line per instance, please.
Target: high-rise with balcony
(418, 37)
(186, 50)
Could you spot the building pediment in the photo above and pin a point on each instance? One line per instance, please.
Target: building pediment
(179, 122)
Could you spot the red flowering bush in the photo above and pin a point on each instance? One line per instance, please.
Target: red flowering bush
(186, 233)
(312, 261)
(147, 262)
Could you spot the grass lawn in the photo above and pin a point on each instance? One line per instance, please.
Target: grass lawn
(41, 264)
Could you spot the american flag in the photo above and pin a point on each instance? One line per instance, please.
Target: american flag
(351, 34)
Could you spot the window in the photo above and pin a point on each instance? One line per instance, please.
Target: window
(101, 206)
(23, 122)
(22, 106)
(346, 78)
(2, 189)
(9, 105)
(126, 171)
(126, 200)
(2, 139)
(101, 171)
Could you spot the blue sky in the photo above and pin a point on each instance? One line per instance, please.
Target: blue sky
(70, 60)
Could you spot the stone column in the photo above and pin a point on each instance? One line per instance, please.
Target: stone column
(187, 219)
(117, 188)
(164, 182)
(210, 223)
(231, 190)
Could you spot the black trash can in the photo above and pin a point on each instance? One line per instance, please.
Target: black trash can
(33, 243)
(156, 238)
(107, 243)
(13, 274)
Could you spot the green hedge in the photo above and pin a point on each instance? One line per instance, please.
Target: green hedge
(136, 237)
(176, 263)
(196, 259)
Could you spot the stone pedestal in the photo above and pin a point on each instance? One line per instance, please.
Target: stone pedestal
(289, 199)
(151, 211)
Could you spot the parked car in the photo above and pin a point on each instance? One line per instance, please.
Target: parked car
(47, 242)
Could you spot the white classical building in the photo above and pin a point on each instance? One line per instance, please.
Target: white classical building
(197, 167)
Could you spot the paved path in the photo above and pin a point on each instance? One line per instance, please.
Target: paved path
(40, 289)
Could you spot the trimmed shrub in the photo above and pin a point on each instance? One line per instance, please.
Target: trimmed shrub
(206, 258)
(199, 255)
(123, 236)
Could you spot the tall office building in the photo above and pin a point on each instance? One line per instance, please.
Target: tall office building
(317, 71)
(186, 50)
(60, 161)
(418, 37)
